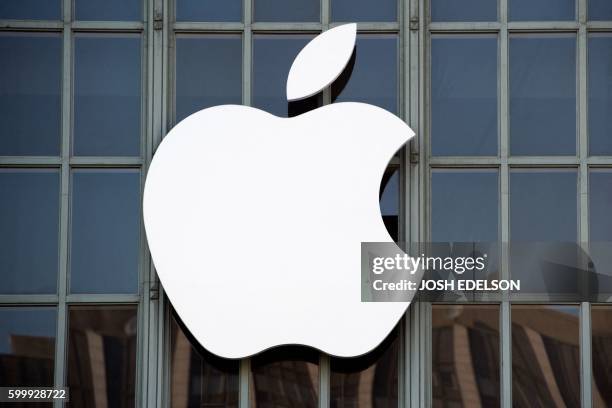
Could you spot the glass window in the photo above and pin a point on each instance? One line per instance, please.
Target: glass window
(543, 94)
(464, 10)
(29, 231)
(30, 94)
(211, 10)
(208, 72)
(197, 377)
(541, 10)
(363, 10)
(465, 355)
(102, 356)
(367, 381)
(464, 205)
(31, 10)
(286, 376)
(601, 352)
(107, 95)
(27, 346)
(600, 10)
(600, 230)
(108, 10)
(272, 59)
(372, 76)
(545, 357)
(286, 10)
(105, 240)
(464, 95)
(390, 201)
(600, 94)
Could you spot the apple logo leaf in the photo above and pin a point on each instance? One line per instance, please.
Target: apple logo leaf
(321, 61)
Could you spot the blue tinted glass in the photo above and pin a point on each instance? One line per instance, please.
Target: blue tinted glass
(600, 94)
(211, 10)
(105, 238)
(286, 10)
(29, 231)
(464, 206)
(27, 346)
(272, 58)
(600, 203)
(363, 10)
(543, 206)
(107, 95)
(208, 72)
(373, 75)
(464, 10)
(31, 9)
(30, 94)
(543, 95)
(464, 95)
(541, 10)
(108, 10)
(600, 10)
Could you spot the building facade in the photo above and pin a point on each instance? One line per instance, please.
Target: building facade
(511, 101)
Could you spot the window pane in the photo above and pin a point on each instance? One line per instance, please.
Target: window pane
(272, 59)
(543, 95)
(105, 240)
(464, 95)
(600, 94)
(465, 356)
(107, 95)
(208, 72)
(390, 201)
(363, 10)
(286, 10)
(601, 326)
(373, 75)
(600, 10)
(464, 206)
(102, 356)
(367, 381)
(108, 10)
(30, 94)
(211, 10)
(545, 358)
(464, 10)
(600, 229)
(27, 346)
(541, 10)
(30, 9)
(197, 377)
(29, 231)
(286, 376)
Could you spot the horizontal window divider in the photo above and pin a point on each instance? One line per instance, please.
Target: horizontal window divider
(27, 161)
(287, 26)
(33, 299)
(599, 26)
(212, 27)
(444, 161)
(373, 26)
(543, 26)
(395, 161)
(467, 27)
(106, 161)
(544, 161)
(604, 161)
(102, 298)
(107, 26)
(540, 299)
(42, 25)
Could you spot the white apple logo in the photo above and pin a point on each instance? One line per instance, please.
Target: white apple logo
(255, 222)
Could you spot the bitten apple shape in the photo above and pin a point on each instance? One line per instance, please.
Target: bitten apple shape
(255, 225)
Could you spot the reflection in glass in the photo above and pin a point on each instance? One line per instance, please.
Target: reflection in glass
(108, 10)
(600, 229)
(105, 240)
(197, 377)
(545, 357)
(208, 72)
(210, 10)
(390, 202)
(464, 10)
(367, 381)
(372, 76)
(107, 95)
(286, 376)
(27, 346)
(464, 95)
(541, 10)
(465, 356)
(102, 356)
(29, 231)
(600, 94)
(363, 10)
(600, 9)
(272, 59)
(286, 10)
(601, 352)
(543, 94)
(30, 9)
(30, 93)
